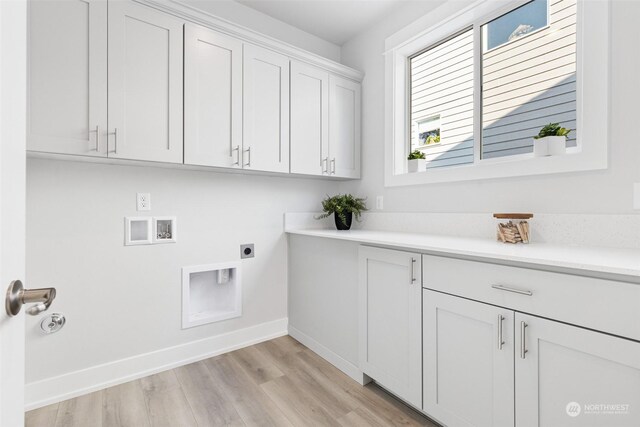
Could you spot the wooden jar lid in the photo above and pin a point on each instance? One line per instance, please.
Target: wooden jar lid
(513, 215)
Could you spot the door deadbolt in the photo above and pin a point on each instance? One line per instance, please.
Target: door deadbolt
(17, 296)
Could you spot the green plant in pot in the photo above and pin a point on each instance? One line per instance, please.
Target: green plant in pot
(551, 140)
(343, 207)
(417, 161)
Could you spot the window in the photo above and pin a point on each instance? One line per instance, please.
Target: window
(427, 133)
(473, 99)
(442, 101)
(528, 82)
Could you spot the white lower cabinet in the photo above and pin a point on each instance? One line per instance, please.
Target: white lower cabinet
(468, 361)
(489, 366)
(569, 376)
(389, 320)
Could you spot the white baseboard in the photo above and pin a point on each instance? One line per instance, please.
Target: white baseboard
(338, 361)
(73, 384)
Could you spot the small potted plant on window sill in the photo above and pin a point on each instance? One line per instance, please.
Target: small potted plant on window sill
(551, 140)
(343, 207)
(417, 161)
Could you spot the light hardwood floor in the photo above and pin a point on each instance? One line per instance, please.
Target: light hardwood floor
(275, 383)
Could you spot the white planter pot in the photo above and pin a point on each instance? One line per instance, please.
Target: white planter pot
(417, 165)
(550, 146)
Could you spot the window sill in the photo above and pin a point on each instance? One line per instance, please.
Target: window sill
(514, 166)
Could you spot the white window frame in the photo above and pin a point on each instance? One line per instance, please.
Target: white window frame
(591, 152)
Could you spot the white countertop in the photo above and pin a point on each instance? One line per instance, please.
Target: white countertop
(591, 261)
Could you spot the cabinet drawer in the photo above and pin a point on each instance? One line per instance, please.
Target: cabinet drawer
(603, 305)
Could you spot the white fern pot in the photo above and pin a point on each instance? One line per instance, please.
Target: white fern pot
(550, 146)
(417, 165)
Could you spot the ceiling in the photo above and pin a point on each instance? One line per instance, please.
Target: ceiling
(336, 21)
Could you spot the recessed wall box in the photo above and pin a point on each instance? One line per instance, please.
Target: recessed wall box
(137, 231)
(165, 229)
(211, 293)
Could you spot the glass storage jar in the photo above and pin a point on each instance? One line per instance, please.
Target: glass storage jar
(513, 227)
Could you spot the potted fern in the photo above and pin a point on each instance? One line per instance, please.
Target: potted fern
(417, 161)
(551, 140)
(343, 207)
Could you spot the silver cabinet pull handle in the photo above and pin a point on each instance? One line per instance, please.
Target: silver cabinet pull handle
(523, 339)
(237, 150)
(17, 296)
(413, 277)
(115, 140)
(501, 341)
(333, 166)
(325, 164)
(97, 131)
(514, 290)
(248, 150)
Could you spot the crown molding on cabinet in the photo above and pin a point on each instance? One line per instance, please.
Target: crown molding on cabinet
(208, 20)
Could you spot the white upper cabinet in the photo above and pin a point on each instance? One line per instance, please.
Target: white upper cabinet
(325, 123)
(118, 79)
(468, 362)
(68, 77)
(212, 98)
(266, 110)
(145, 83)
(309, 119)
(344, 127)
(390, 338)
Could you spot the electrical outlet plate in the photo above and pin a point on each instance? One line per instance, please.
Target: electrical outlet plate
(247, 251)
(379, 203)
(636, 195)
(143, 201)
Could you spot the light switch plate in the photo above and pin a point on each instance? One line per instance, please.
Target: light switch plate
(636, 195)
(379, 203)
(143, 201)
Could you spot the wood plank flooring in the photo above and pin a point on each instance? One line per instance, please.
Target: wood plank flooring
(274, 383)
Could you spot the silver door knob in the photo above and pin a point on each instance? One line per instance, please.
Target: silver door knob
(17, 296)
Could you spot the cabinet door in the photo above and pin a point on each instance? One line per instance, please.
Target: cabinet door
(145, 83)
(344, 127)
(468, 361)
(212, 98)
(309, 120)
(390, 321)
(68, 77)
(565, 376)
(266, 110)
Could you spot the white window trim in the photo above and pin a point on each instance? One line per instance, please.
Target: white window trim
(593, 61)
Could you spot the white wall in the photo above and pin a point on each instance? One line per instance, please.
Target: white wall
(257, 21)
(608, 191)
(121, 301)
(125, 302)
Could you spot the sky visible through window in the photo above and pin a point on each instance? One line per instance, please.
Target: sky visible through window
(530, 17)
